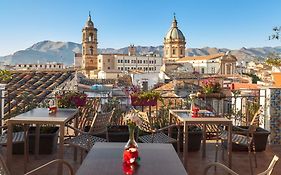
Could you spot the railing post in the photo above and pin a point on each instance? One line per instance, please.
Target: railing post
(2, 103)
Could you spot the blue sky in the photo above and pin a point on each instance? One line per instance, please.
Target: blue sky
(214, 23)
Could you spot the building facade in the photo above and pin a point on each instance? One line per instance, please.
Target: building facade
(125, 63)
(46, 66)
(222, 63)
(174, 43)
(89, 47)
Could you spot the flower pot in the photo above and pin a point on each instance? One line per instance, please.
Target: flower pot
(260, 140)
(212, 95)
(116, 133)
(194, 138)
(143, 102)
(47, 142)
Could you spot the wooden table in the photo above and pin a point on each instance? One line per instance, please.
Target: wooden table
(185, 117)
(156, 159)
(40, 116)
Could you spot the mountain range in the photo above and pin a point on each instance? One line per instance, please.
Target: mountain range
(50, 51)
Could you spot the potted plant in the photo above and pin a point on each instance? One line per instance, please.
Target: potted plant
(211, 89)
(195, 134)
(71, 99)
(47, 141)
(145, 98)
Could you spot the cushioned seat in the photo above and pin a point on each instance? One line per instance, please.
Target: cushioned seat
(156, 135)
(159, 137)
(98, 125)
(18, 137)
(84, 141)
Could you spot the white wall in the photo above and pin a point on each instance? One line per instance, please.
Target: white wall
(152, 78)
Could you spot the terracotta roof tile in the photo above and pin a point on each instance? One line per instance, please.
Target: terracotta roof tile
(238, 86)
(205, 57)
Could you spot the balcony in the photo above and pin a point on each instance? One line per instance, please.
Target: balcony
(235, 108)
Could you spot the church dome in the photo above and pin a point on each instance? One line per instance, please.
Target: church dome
(175, 32)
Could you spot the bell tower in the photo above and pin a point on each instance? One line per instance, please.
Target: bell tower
(89, 47)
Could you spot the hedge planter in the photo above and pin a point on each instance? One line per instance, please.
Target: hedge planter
(47, 142)
(260, 140)
(143, 102)
(194, 138)
(212, 95)
(118, 133)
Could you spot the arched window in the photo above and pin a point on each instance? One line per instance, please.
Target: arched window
(228, 69)
(91, 51)
(181, 51)
(91, 38)
(174, 51)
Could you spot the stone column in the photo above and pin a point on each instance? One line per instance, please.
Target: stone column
(275, 115)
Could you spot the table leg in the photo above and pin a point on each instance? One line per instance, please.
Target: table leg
(37, 141)
(204, 141)
(185, 145)
(9, 146)
(76, 120)
(229, 147)
(61, 149)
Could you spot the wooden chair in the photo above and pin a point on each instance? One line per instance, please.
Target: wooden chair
(268, 171)
(5, 171)
(86, 139)
(156, 135)
(18, 137)
(245, 137)
(88, 111)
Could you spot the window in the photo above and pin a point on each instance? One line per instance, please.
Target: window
(181, 51)
(174, 51)
(118, 61)
(91, 51)
(99, 60)
(121, 68)
(167, 52)
(202, 70)
(121, 61)
(91, 37)
(213, 70)
(108, 68)
(108, 60)
(228, 69)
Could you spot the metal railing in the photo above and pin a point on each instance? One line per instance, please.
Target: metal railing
(236, 107)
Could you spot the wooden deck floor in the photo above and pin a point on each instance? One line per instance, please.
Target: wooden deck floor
(196, 163)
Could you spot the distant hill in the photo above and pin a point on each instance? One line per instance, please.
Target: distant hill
(50, 51)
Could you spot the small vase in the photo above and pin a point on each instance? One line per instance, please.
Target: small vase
(131, 142)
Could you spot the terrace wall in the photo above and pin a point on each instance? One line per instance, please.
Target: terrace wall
(275, 115)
